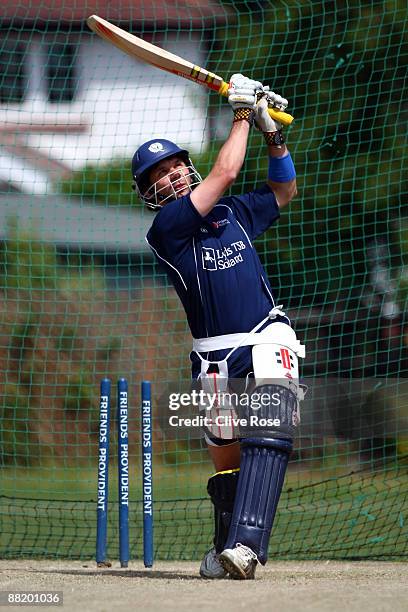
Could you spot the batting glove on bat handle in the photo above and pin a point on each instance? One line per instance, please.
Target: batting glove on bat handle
(263, 120)
(278, 115)
(242, 92)
(242, 96)
(274, 99)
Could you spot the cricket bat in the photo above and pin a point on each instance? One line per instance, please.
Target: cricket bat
(155, 56)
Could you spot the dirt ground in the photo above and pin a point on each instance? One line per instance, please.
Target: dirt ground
(296, 586)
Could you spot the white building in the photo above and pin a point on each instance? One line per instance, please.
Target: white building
(68, 98)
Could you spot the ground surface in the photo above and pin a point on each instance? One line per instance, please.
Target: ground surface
(296, 586)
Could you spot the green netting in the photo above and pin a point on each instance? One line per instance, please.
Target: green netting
(81, 297)
(356, 516)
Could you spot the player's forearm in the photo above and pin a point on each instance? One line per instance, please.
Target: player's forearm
(242, 97)
(225, 170)
(232, 153)
(281, 170)
(284, 191)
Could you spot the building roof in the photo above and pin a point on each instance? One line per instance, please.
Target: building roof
(68, 222)
(59, 13)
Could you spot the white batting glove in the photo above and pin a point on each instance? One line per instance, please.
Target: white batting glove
(263, 120)
(242, 92)
(272, 129)
(274, 99)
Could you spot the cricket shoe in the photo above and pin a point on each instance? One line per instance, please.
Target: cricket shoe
(240, 562)
(211, 566)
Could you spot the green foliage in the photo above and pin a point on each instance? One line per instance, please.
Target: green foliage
(79, 396)
(29, 264)
(331, 62)
(22, 337)
(18, 443)
(343, 71)
(66, 339)
(104, 184)
(32, 278)
(26, 263)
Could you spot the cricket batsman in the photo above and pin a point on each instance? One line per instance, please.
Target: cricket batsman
(204, 241)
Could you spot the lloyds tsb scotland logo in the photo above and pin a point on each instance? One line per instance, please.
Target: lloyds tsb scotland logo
(209, 261)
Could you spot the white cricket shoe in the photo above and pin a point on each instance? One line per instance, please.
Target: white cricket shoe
(240, 562)
(211, 566)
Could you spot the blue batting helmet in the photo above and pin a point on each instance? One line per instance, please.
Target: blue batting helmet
(146, 157)
(152, 152)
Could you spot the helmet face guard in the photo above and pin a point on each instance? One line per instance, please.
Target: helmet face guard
(146, 157)
(155, 196)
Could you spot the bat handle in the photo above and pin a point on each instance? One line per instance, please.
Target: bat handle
(283, 118)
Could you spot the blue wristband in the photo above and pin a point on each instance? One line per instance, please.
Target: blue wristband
(281, 169)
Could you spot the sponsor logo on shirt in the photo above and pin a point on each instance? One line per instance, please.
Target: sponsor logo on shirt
(221, 223)
(222, 259)
(209, 262)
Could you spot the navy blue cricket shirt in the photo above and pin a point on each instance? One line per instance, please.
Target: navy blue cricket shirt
(214, 267)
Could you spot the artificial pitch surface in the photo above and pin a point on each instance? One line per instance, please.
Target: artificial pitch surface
(315, 586)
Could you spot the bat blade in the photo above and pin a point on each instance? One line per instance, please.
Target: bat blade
(151, 54)
(160, 58)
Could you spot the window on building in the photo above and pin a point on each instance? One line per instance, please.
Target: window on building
(13, 79)
(60, 72)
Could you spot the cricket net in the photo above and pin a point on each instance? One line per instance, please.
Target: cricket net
(81, 297)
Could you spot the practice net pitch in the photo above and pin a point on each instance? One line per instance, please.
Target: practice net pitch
(81, 297)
